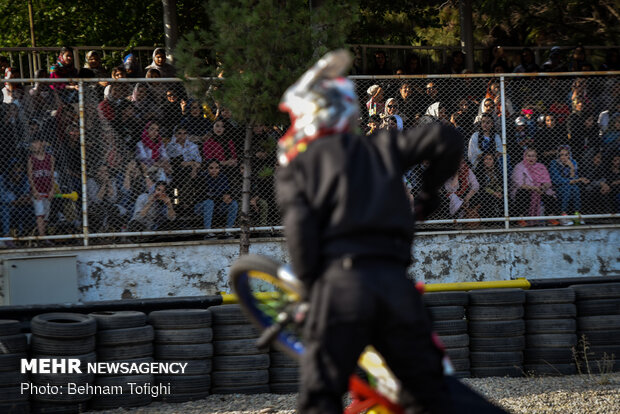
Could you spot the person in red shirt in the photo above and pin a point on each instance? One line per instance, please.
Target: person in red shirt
(41, 179)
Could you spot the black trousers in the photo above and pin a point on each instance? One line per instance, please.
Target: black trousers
(369, 301)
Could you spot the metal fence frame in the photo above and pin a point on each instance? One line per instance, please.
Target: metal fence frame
(86, 235)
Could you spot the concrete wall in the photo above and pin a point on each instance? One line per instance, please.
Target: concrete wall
(200, 268)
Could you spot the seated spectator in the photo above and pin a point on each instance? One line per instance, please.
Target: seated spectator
(528, 62)
(153, 211)
(391, 108)
(136, 181)
(409, 103)
(41, 178)
(493, 92)
(376, 104)
(64, 68)
(15, 201)
(491, 194)
(380, 66)
(531, 189)
(170, 111)
(461, 189)
(413, 66)
(555, 63)
(220, 146)
(132, 66)
(127, 126)
(374, 123)
(186, 162)
(597, 194)
(124, 89)
(392, 122)
(104, 210)
(579, 93)
(93, 62)
(549, 138)
(13, 93)
(435, 113)
(194, 121)
(216, 197)
(565, 177)
(485, 139)
(44, 100)
(605, 116)
(522, 139)
(145, 104)
(151, 150)
(165, 69)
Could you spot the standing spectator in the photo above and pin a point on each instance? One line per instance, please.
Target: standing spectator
(491, 194)
(555, 63)
(576, 131)
(15, 200)
(13, 93)
(498, 60)
(41, 179)
(216, 197)
(376, 104)
(456, 64)
(413, 66)
(597, 194)
(565, 176)
(153, 211)
(43, 100)
(159, 62)
(531, 188)
(528, 62)
(65, 68)
(93, 62)
(380, 66)
(132, 66)
(577, 61)
(103, 201)
(484, 140)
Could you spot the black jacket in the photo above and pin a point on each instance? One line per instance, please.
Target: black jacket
(345, 194)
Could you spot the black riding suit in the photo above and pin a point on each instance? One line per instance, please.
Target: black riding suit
(349, 230)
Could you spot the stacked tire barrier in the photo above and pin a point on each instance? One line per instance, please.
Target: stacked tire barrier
(238, 365)
(184, 336)
(62, 335)
(598, 326)
(447, 311)
(496, 331)
(550, 331)
(13, 347)
(122, 336)
(283, 373)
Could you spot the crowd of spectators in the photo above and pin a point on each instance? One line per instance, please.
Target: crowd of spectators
(158, 159)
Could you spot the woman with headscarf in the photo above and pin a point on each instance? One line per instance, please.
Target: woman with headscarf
(531, 187)
(159, 62)
(565, 176)
(132, 66)
(391, 112)
(151, 151)
(485, 139)
(461, 188)
(436, 112)
(220, 146)
(64, 68)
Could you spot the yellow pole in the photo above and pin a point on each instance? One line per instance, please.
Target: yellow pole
(495, 284)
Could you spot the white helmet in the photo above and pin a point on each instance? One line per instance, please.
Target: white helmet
(320, 103)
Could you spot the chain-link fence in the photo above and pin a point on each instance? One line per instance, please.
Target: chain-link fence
(99, 161)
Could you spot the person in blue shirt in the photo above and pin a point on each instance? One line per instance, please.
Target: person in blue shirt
(216, 197)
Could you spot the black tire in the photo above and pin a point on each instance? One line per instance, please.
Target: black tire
(17, 407)
(604, 337)
(543, 326)
(494, 312)
(237, 347)
(13, 344)
(62, 398)
(280, 375)
(240, 378)
(546, 296)
(108, 402)
(450, 327)
(284, 388)
(497, 297)
(483, 372)
(123, 352)
(118, 319)
(11, 362)
(194, 366)
(455, 341)
(535, 356)
(142, 360)
(9, 327)
(461, 374)
(244, 389)
(458, 353)
(496, 329)
(124, 380)
(596, 291)
(63, 325)
(181, 318)
(241, 331)
(183, 351)
(229, 315)
(460, 364)
(179, 398)
(599, 351)
(12, 378)
(61, 347)
(596, 307)
(84, 358)
(550, 369)
(551, 311)
(183, 336)
(125, 336)
(241, 362)
(495, 359)
(12, 393)
(185, 384)
(508, 343)
(446, 313)
(40, 407)
(565, 341)
(598, 323)
(445, 298)
(281, 360)
(63, 379)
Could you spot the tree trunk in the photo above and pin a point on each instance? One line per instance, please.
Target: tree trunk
(244, 241)
(171, 30)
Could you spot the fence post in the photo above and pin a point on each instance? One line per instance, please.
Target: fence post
(244, 238)
(83, 162)
(504, 152)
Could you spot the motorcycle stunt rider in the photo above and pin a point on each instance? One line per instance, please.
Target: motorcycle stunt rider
(349, 230)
